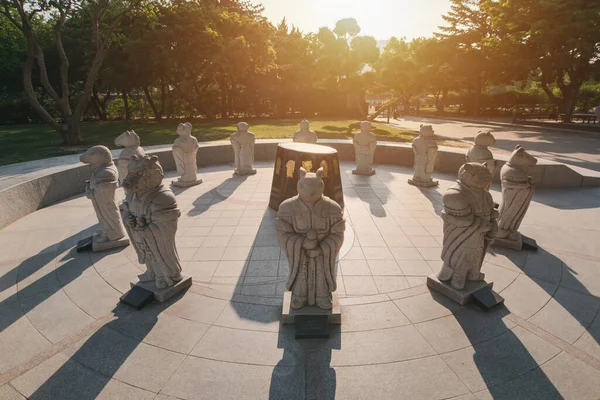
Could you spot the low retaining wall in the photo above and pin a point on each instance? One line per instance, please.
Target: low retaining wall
(26, 197)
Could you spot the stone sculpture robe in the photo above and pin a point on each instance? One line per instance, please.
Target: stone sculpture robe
(101, 190)
(243, 150)
(312, 272)
(153, 234)
(467, 215)
(184, 153)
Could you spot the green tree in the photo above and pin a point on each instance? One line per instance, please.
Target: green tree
(557, 42)
(467, 29)
(32, 16)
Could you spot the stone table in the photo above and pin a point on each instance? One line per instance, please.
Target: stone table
(288, 161)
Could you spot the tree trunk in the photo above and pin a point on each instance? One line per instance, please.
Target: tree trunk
(99, 106)
(443, 101)
(157, 115)
(163, 96)
(126, 104)
(477, 105)
(72, 132)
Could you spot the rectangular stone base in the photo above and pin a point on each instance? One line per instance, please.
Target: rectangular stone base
(508, 243)
(355, 172)
(423, 184)
(462, 297)
(242, 173)
(182, 184)
(111, 244)
(288, 315)
(161, 295)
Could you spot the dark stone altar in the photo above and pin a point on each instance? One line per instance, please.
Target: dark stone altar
(288, 161)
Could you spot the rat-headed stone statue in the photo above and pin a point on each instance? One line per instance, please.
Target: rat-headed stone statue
(101, 190)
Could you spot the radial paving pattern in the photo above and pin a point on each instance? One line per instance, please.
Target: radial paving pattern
(63, 336)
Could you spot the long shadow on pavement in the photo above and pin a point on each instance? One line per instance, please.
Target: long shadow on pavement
(96, 361)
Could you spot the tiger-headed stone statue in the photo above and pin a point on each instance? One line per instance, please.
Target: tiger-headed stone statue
(150, 214)
(470, 225)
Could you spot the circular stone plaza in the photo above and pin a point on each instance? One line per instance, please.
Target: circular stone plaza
(64, 334)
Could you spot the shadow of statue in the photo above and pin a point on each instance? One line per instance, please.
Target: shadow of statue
(500, 353)
(560, 280)
(96, 360)
(34, 290)
(305, 371)
(214, 196)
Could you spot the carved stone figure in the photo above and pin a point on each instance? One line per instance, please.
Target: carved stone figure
(131, 141)
(481, 154)
(517, 190)
(185, 148)
(470, 225)
(425, 149)
(310, 229)
(365, 143)
(101, 190)
(242, 142)
(305, 135)
(150, 214)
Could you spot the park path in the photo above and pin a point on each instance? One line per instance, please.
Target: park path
(579, 149)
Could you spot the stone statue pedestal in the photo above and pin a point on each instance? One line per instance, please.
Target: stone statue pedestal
(520, 243)
(432, 183)
(293, 156)
(462, 297)
(109, 244)
(247, 172)
(165, 294)
(288, 315)
(356, 172)
(184, 184)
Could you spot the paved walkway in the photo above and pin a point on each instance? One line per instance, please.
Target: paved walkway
(64, 336)
(579, 149)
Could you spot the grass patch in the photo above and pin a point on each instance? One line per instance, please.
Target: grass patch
(20, 143)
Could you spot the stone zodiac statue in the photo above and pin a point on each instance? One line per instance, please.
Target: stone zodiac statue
(131, 141)
(310, 229)
(470, 225)
(425, 150)
(185, 148)
(101, 190)
(305, 135)
(481, 154)
(242, 142)
(517, 191)
(365, 143)
(150, 214)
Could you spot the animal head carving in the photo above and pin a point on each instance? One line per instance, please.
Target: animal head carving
(310, 185)
(96, 155)
(484, 139)
(426, 131)
(365, 126)
(475, 175)
(184, 128)
(521, 158)
(243, 127)
(145, 173)
(127, 139)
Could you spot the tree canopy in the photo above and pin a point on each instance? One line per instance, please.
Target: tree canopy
(67, 60)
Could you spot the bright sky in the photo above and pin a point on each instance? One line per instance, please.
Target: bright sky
(379, 18)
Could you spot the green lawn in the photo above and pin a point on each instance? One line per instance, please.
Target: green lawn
(20, 143)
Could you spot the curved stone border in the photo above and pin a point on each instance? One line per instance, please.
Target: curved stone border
(46, 189)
